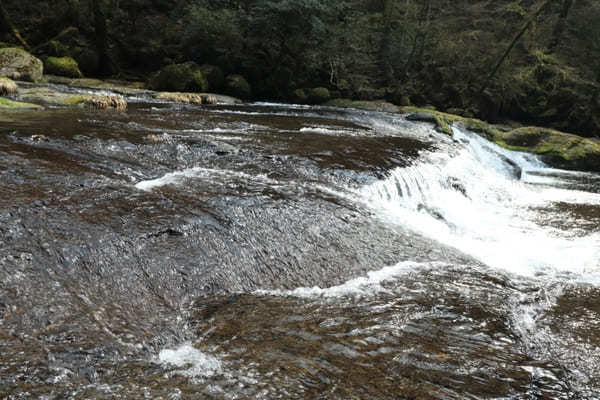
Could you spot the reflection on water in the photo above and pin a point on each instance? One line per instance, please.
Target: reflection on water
(267, 251)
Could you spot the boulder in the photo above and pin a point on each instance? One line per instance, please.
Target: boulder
(186, 77)
(558, 149)
(238, 86)
(62, 66)
(47, 96)
(7, 86)
(18, 64)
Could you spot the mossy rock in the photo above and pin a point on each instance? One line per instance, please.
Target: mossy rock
(62, 66)
(214, 76)
(318, 95)
(47, 96)
(186, 77)
(10, 104)
(16, 63)
(238, 86)
(558, 149)
(7, 86)
(444, 121)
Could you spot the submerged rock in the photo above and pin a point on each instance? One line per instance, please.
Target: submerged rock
(16, 63)
(7, 86)
(47, 96)
(62, 66)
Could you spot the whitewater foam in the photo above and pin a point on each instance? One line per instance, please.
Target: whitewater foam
(368, 285)
(198, 172)
(191, 361)
(475, 202)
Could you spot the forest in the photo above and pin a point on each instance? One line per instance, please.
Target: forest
(533, 62)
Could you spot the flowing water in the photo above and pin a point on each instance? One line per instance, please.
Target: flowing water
(273, 251)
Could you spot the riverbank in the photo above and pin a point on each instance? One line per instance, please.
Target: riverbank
(558, 149)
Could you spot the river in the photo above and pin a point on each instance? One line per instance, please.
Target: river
(274, 251)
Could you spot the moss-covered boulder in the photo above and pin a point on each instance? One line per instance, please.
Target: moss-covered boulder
(18, 64)
(318, 95)
(214, 76)
(558, 149)
(238, 86)
(7, 86)
(47, 96)
(186, 77)
(62, 66)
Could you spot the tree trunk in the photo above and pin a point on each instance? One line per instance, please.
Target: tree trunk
(512, 44)
(104, 65)
(419, 39)
(385, 44)
(560, 25)
(6, 21)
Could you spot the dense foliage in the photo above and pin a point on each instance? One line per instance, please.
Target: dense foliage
(531, 61)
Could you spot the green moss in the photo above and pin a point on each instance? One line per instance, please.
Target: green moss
(62, 66)
(559, 149)
(444, 122)
(6, 103)
(48, 96)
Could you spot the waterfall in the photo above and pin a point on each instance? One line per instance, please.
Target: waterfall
(487, 202)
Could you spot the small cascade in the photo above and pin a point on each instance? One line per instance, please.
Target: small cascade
(485, 203)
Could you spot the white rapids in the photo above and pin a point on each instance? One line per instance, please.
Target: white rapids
(487, 202)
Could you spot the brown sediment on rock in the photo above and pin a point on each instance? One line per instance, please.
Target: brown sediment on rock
(187, 98)
(105, 102)
(7, 86)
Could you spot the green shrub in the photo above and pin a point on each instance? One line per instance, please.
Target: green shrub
(237, 86)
